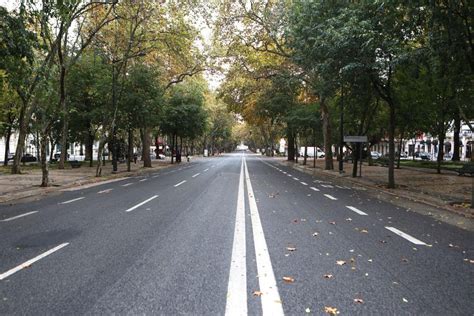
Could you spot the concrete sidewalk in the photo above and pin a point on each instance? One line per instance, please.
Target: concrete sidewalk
(447, 191)
(27, 184)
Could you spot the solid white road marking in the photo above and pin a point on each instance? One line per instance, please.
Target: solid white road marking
(18, 216)
(271, 303)
(127, 184)
(330, 197)
(104, 191)
(237, 288)
(178, 184)
(352, 208)
(406, 236)
(31, 261)
(140, 204)
(196, 175)
(143, 180)
(73, 200)
(303, 183)
(314, 189)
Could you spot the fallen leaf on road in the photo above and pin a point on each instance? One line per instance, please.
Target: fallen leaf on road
(307, 310)
(332, 223)
(404, 260)
(340, 262)
(315, 234)
(364, 231)
(352, 260)
(288, 279)
(370, 260)
(328, 276)
(358, 301)
(330, 233)
(405, 300)
(295, 221)
(331, 310)
(291, 248)
(257, 293)
(303, 219)
(383, 241)
(349, 219)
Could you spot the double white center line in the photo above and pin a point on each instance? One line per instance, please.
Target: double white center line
(270, 298)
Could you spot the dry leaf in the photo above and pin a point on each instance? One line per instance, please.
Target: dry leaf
(404, 260)
(349, 219)
(352, 260)
(291, 248)
(331, 310)
(405, 300)
(370, 260)
(288, 279)
(307, 310)
(332, 223)
(358, 301)
(257, 293)
(315, 234)
(340, 262)
(364, 231)
(383, 241)
(328, 276)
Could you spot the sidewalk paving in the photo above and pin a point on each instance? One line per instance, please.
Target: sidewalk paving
(27, 184)
(447, 192)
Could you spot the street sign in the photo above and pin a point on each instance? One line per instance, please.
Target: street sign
(355, 139)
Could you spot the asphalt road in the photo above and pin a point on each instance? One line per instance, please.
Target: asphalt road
(238, 234)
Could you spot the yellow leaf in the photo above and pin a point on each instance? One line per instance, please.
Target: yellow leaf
(331, 310)
(340, 262)
(358, 301)
(328, 276)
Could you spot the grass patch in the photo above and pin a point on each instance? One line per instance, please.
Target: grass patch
(449, 165)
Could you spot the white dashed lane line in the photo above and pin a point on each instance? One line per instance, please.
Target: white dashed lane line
(406, 236)
(330, 197)
(314, 189)
(303, 183)
(127, 184)
(178, 184)
(206, 170)
(140, 204)
(352, 208)
(73, 200)
(327, 186)
(18, 216)
(31, 261)
(104, 191)
(143, 180)
(296, 179)
(196, 175)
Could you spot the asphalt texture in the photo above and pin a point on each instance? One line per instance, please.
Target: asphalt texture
(162, 244)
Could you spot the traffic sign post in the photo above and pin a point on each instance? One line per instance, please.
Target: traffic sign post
(357, 139)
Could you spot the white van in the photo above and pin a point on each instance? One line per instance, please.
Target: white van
(310, 152)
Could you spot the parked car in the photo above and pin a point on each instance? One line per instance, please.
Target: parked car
(310, 152)
(404, 156)
(375, 154)
(448, 156)
(28, 158)
(57, 155)
(422, 156)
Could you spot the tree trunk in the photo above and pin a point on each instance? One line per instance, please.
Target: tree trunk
(291, 146)
(305, 154)
(441, 137)
(146, 147)
(44, 163)
(51, 151)
(7, 144)
(23, 129)
(100, 150)
(457, 140)
(391, 147)
(355, 159)
(63, 106)
(130, 149)
(400, 147)
(326, 135)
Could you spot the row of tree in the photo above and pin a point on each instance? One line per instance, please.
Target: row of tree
(120, 73)
(395, 69)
